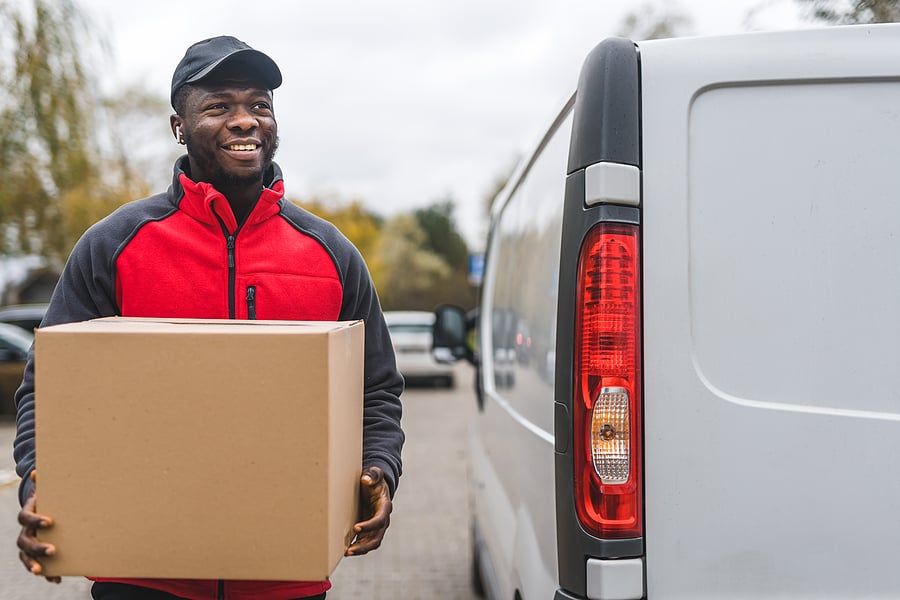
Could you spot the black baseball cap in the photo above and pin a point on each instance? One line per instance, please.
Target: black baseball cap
(203, 58)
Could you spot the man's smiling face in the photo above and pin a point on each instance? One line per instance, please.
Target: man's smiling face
(230, 130)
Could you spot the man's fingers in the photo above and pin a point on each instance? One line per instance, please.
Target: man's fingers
(364, 545)
(28, 556)
(33, 547)
(28, 541)
(379, 512)
(27, 514)
(35, 567)
(380, 520)
(375, 510)
(30, 547)
(29, 518)
(33, 521)
(372, 476)
(366, 542)
(30, 564)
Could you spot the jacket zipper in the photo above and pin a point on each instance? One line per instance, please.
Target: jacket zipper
(251, 302)
(220, 592)
(229, 245)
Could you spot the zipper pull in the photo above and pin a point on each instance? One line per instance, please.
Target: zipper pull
(251, 302)
(229, 244)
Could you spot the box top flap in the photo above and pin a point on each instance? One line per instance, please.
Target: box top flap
(200, 326)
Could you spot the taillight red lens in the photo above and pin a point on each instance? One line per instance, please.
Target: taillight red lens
(606, 407)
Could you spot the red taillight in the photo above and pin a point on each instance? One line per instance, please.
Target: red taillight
(607, 402)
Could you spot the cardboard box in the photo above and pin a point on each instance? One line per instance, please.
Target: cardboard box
(181, 448)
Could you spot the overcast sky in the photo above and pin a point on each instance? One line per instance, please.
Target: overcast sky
(401, 103)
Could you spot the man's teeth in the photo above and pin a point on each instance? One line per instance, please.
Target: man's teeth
(242, 147)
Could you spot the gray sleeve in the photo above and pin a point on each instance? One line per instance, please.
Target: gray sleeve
(383, 436)
(85, 290)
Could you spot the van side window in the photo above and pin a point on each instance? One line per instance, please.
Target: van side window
(521, 286)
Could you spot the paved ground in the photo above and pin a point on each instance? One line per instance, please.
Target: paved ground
(426, 551)
(425, 554)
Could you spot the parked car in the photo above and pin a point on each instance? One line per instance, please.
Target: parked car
(14, 345)
(704, 246)
(26, 316)
(411, 336)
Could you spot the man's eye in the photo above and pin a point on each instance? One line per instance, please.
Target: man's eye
(263, 106)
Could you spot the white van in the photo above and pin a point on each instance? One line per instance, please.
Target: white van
(689, 336)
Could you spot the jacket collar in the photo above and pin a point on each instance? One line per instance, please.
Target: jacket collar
(204, 202)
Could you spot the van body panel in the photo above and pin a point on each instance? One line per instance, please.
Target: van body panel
(771, 279)
(513, 434)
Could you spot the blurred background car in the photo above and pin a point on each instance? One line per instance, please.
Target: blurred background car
(26, 316)
(411, 335)
(14, 345)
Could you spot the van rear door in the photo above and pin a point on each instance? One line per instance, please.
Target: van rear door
(771, 283)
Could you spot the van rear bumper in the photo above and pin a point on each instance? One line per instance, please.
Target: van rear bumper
(621, 579)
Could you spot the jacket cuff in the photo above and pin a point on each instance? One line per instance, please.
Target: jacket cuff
(26, 489)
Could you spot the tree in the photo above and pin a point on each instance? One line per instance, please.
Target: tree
(417, 260)
(410, 273)
(61, 167)
(441, 234)
(850, 12)
(361, 226)
(442, 238)
(649, 23)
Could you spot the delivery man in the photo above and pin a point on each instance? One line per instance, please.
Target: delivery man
(222, 242)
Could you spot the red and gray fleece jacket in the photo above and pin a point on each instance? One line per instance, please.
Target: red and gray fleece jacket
(182, 254)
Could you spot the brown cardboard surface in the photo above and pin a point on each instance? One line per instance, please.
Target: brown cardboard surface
(199, 449)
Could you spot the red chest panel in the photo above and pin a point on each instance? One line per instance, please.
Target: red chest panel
(180, 267)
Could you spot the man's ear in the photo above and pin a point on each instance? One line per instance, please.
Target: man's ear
(177, 125)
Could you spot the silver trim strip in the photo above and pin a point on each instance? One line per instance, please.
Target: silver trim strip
(616, 579)
(612, 183)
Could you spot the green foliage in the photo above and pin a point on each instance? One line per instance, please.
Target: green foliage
(443, 239)
(361, 226)
(841, 12)
(441, 235)
(422, 261)
(409, 272)
(417, 259)
(56, 160)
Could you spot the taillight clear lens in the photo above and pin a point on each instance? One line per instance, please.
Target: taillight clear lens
(606, 407)
(611, 435)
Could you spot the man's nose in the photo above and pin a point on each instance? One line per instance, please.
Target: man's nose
(242, 119)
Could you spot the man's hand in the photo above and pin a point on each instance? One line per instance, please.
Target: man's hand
(375, 510)
(30, 548)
